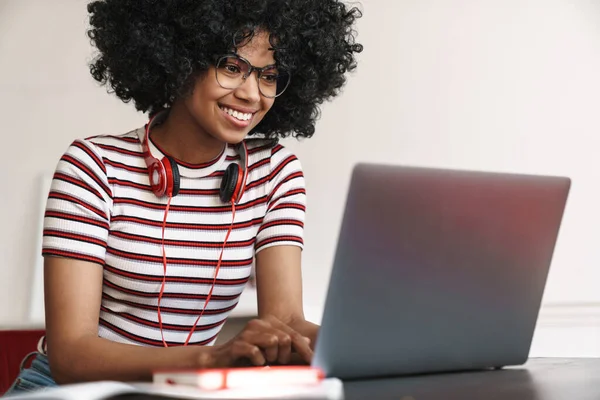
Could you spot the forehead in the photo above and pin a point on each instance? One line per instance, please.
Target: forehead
(258, 50)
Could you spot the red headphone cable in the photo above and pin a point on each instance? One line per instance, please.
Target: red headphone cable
(162, 288)
(216, 273)
(164, 258)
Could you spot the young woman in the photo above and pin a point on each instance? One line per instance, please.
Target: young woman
(150, 235)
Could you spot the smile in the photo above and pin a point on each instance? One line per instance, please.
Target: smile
(240, 116)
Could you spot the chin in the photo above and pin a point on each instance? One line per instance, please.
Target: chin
(231, 137)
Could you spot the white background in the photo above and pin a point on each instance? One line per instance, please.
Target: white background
(505, 85)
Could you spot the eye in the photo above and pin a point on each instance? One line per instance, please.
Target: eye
(270, 77)
(232, 68)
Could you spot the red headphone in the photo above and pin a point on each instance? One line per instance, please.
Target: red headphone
(165, 179)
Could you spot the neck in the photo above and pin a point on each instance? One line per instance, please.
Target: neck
(181, 137)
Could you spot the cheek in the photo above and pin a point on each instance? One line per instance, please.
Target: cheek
(268, 104)
(265, 108)
(207, 92)
(204, 102)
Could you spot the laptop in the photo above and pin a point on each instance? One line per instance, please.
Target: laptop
(438, 270)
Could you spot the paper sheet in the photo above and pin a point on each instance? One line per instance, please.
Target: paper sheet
(81, 391)
(330, 389)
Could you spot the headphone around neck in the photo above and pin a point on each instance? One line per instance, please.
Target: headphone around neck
(164, 174)
(165, 181)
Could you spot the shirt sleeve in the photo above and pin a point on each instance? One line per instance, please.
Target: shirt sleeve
(77, 217)
(283, 223)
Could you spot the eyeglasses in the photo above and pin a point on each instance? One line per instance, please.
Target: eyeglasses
(233, 70)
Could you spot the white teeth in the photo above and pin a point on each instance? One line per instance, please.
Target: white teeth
(236, 114)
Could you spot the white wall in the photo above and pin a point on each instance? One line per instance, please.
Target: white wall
(47, 98)
(506, 85)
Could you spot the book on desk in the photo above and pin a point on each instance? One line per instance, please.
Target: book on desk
(276, 382)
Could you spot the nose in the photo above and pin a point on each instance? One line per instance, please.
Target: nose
(249, 90)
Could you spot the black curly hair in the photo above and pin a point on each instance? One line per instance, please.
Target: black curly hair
(151, 51)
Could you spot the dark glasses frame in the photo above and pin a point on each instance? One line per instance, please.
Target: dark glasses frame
(252, 68)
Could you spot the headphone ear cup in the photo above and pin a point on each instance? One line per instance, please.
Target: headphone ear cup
(176, 176)
(229, 183)
(157, 177)
(239, 189)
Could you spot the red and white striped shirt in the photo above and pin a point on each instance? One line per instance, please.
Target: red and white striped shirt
(101, 209)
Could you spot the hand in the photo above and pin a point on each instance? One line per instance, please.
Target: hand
(261, 342)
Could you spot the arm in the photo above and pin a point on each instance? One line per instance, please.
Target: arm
(279, 287)
(76, 228)
(279, 245)
(73, 291)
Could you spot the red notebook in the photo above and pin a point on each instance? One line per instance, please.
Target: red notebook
(236, 378)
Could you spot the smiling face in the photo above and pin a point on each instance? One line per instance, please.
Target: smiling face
(228, 115)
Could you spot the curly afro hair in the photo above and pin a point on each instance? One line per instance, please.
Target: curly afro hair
(151, 51)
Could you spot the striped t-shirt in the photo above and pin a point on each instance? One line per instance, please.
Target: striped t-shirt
(101, 209)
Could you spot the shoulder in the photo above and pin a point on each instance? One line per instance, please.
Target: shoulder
(93, 154)
(101, 148)
(125, 141)
(273, 153)
(129, 141)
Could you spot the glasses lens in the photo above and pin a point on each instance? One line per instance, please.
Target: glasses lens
(273, 81)
(231, 72)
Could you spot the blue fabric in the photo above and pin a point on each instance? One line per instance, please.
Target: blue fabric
(34, 378)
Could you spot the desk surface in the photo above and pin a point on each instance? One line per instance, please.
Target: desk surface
(539, 379)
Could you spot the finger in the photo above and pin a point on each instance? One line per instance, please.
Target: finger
(300, 343)
(285, 348)
(267, 340)
(243, 349)
(276, 349)
(302, 346)
(271, 346)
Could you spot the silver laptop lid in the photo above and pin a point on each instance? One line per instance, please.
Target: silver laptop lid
(438, 270)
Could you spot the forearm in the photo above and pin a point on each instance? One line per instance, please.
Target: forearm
(94, 359)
